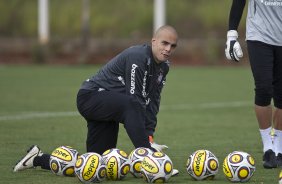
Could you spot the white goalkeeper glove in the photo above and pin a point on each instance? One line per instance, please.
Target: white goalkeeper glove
(233, 49)
(157, 147)
(175, 172)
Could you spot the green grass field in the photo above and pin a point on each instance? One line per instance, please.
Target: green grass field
(202, 108)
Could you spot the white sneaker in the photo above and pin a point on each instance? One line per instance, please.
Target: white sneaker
(175, 172)
(27, 161)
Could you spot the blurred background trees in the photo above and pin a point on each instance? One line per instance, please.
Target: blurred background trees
(113, 26)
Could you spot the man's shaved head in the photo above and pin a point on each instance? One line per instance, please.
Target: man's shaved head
(165, 28)
(164, 43)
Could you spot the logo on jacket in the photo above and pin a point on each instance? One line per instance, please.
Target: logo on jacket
(120, 78)
(144, 94)
(148, 101)
(160, 76)
(132, 81)
(271, 2)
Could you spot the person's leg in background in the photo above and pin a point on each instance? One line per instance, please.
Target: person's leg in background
(277, 98)
(262, 62)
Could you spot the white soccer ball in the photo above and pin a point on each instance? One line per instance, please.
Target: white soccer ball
(62, 161)
(202, 165)
(239, 166)
(117, 164)
(156, 168)
(89, 168)
(135, 159)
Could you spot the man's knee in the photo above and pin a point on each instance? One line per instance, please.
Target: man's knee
(263, 96)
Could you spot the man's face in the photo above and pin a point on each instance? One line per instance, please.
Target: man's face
(163, 45)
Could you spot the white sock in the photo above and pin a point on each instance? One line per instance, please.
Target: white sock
(266, 139)
(278, 142)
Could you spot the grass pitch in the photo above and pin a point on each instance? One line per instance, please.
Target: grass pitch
(202, 108)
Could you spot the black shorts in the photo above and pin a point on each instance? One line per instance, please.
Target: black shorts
(266, 65)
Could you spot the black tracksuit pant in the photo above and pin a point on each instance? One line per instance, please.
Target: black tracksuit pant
(103, 111)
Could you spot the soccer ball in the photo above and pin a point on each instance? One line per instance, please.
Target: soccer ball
(239, 166)
(280, 177)
(202, 165)
(89, 168)
(62, 161)
(156, 168)
(135, 159)
(117, 164)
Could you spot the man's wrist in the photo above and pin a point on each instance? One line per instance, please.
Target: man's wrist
(232, 34)
(151, 138)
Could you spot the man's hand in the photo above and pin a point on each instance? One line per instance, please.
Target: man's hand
(233, 49)
(158, 147)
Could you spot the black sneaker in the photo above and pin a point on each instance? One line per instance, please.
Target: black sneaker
(270, 160)
(279, 160)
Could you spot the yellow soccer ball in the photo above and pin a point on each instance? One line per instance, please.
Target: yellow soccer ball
(62, 161)
(135, 159)
(156, 168)
(117, 164)
(239, 166)
(202, 165)
(89, 168)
